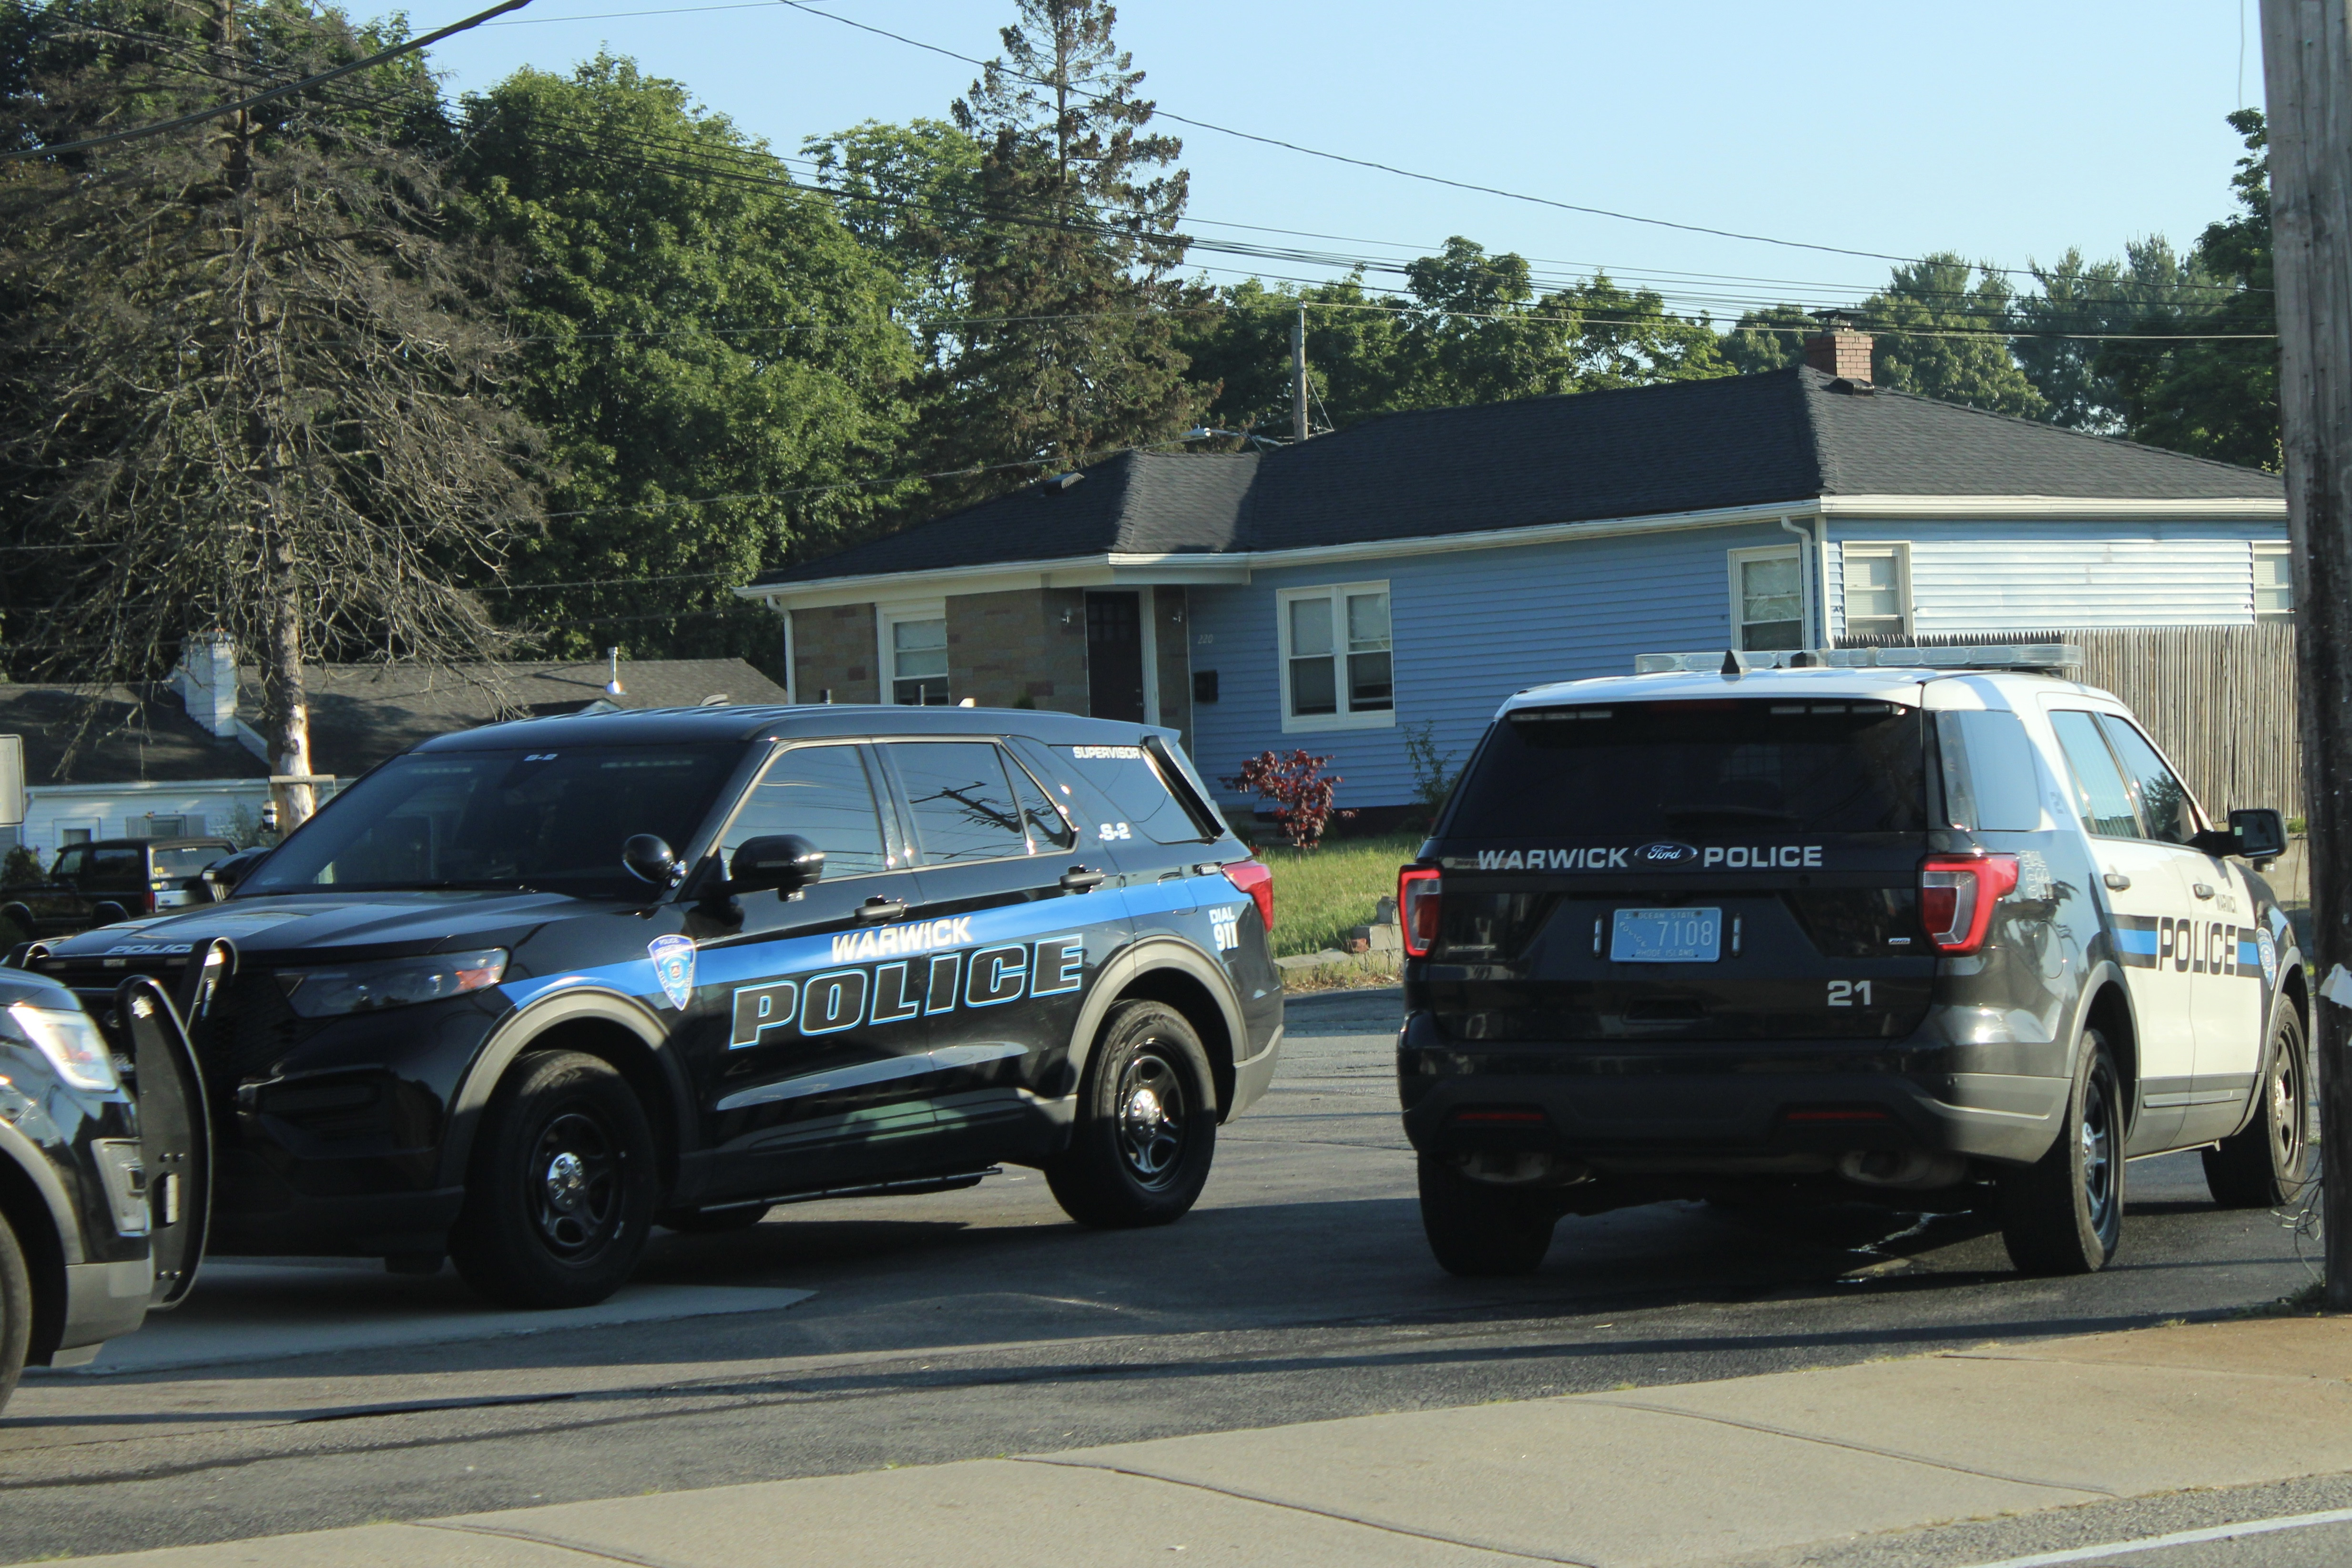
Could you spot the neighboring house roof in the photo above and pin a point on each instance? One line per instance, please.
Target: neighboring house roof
(137, 735)
(363, 713)
(1786, 435)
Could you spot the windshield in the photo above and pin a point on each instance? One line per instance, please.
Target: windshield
(1695, 770)
(547, 820)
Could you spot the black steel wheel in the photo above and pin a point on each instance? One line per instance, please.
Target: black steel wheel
(561, 1193)
(15, 1310)
(2267, 1164)
(1481, 1229)
(1145, 1128)
(2064, 1213)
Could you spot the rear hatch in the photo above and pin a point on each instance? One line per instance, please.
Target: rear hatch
(1741, 868)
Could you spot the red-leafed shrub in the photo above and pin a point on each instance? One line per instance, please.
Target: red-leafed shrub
(1301, 794)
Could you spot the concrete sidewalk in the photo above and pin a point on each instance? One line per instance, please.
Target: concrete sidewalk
(1700, 1473)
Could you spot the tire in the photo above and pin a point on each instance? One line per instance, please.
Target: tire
(1147, 1129)
(2064, 1213)
(560, 1197)
(15, 1310)
(714, 1222)
(1479, 1230)
(2266, 1164)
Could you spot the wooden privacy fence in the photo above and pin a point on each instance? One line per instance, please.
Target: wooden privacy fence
(2219, 700)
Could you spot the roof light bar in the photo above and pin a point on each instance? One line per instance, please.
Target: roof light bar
(2047, 657)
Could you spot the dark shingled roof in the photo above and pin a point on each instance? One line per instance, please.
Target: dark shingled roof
(1786, 435)
(363, 713)
(139, 733)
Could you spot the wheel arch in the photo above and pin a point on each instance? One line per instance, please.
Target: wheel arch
(36, 1209)
(1176, 975)
(2109, 1009)
(612, 1028)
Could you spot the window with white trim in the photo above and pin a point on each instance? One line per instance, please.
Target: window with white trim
(915, 654)
(1878, 589)
(2273, 583)
(1768, 598)
(1338, 660)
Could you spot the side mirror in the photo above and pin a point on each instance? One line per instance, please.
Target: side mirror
(784, 862)
(2261, 833)
(650, 860)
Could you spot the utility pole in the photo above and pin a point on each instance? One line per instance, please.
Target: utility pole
(2307, 83)
(1298, 375)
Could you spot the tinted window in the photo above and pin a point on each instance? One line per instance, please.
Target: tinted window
(821, 792)
(1989, 780)
(962, 803)
(552, 819)
(1130, 779)
(2101, 798)
(1047, 829)
(68, 863)
(2164, 804)
(1705, 769)
(112, 870)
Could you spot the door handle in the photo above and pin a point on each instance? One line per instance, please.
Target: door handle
(878, 909)
(2116, 880)
(2202, 889)
(1081, 878)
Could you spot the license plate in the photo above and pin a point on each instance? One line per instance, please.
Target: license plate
(1666, 936)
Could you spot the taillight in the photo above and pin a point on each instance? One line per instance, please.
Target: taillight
(1417, 908)
(1957, 893)
(1252, 876)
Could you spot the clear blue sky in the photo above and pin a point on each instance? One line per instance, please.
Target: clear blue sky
(2006, 129)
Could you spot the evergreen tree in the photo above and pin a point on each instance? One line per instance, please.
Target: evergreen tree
(1069, 276)
(1943, 334)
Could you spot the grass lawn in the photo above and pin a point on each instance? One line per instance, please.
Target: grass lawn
(1320, 894)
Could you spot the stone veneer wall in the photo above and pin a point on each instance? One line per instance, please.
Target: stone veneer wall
(1002, 647)
(832, 649)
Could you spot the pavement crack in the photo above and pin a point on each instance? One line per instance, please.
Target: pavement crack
(1292, 1507)
(2080, 1488)
(546, 1538)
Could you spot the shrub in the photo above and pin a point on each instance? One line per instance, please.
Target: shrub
(20, 869)
(1301, 794)
(1433, 773)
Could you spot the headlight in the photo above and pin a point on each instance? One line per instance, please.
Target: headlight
(367, 987)
(70, 1041)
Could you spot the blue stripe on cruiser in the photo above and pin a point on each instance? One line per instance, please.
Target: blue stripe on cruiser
(2139, 941)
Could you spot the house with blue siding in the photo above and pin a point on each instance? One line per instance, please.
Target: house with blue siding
(1417, 569)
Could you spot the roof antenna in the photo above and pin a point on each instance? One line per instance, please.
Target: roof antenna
(612, 687)
(1731, 670)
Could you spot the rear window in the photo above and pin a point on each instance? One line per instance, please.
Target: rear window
(1696, 769)
(188, 862)
(1129, 777)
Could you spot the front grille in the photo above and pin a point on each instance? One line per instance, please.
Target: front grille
(248, 1027)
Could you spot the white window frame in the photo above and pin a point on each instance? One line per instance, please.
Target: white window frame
(1346, 718)
(2284, 550)
(1899, 550)
(886, 649)
(1807, 618)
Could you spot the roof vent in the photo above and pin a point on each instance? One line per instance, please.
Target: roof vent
(1055, 484)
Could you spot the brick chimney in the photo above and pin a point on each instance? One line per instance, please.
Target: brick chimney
(1838, 350)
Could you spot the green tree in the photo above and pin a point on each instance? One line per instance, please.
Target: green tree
(1941, 328)
(2076, 296)
(694, 326)
(911, 196)
(2218, 397)
(1769, 339)
(1067, 348)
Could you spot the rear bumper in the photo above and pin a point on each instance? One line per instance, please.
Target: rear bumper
(1715, 1106)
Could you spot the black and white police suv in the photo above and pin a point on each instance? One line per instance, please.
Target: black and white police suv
(1938, 925)
(521, 994)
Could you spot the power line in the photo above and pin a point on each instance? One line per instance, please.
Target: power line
(179, 123)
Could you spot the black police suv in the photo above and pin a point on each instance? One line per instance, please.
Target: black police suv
(1936, 926)
(102, 1199)
(521, 994)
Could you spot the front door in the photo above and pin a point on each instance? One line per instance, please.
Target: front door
(1114, 656)
(809, 1068)
(2145, 889)
(993, 852)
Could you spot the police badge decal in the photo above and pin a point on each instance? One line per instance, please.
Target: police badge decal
(673, 959)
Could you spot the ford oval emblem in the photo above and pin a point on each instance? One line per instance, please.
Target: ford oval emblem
(1664, 853)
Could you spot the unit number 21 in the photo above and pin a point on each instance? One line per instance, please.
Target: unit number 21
(1849, 993)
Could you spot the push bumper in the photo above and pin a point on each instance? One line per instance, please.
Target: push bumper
(1701, 1105)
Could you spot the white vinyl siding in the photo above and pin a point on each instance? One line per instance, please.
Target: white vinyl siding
(1984, 576)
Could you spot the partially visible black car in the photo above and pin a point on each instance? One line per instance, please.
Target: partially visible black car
(102, 1200)
(143, 876)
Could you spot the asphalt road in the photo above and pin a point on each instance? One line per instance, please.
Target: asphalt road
(979, 1324)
